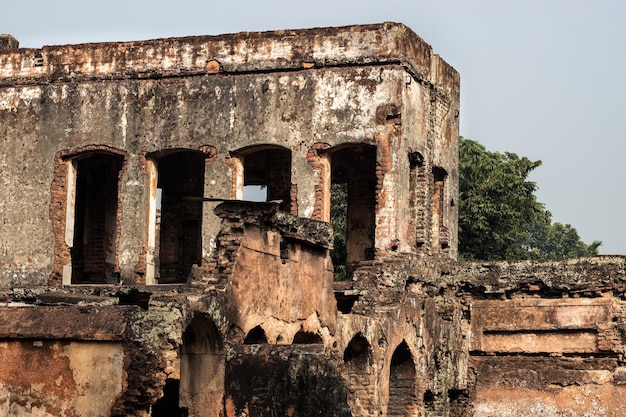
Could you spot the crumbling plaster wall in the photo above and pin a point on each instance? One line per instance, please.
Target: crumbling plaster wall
(410, 300)
(221, 93)
(379, 85)
(432, 107)
(503, 338)
(141, 117)
(42, 378)
(75, 355)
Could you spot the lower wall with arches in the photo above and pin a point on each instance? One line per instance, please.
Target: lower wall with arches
(263, 330)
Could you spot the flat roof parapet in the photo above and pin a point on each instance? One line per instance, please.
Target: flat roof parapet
(386, 43)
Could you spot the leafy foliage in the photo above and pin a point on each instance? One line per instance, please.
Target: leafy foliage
(339, 221)
(499, 215)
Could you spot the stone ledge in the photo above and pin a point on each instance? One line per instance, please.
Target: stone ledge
(65, 322)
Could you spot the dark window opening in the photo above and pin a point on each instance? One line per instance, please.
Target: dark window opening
(285, 250)
(345, 302)
(267, 176)
(459, 401)
(418, 186)
(358, 353)
(96, 226)
(429, 401)
(255, 336)
(353, 206)
(306, 338)
(441, 231)
(167, 405)
(179, 215)
(134, 298)
(402, 392)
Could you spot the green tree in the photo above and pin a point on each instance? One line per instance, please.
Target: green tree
(339, 221)
(559, 241)
(499, 215)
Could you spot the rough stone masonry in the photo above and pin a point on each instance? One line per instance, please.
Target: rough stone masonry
(138, 277)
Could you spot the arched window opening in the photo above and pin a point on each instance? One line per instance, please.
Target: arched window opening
(202, 365)
(255, 336)
(402, 389)
(440, 231)
(352, 206)
(266, 175)
(306, 338)
(178, 225)
(358, 353)
(92, 233)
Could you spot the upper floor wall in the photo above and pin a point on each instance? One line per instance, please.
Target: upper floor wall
(316, 98)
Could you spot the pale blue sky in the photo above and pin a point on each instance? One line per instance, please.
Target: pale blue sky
(545, 79)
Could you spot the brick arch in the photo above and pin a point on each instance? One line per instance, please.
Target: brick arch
(306, 338)
(357, 372)
(358, 354)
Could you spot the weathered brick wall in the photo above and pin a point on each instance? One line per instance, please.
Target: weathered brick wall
(546, 337)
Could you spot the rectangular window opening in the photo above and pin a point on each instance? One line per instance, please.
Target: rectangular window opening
(92, 233)
(353, 206)
(176, 231)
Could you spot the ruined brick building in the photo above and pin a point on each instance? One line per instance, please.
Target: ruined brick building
(136, 280)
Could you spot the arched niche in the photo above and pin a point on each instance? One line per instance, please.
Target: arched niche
(202, 363)
(402, 383)
(255, 336)
(306, 338)
(358, 354)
